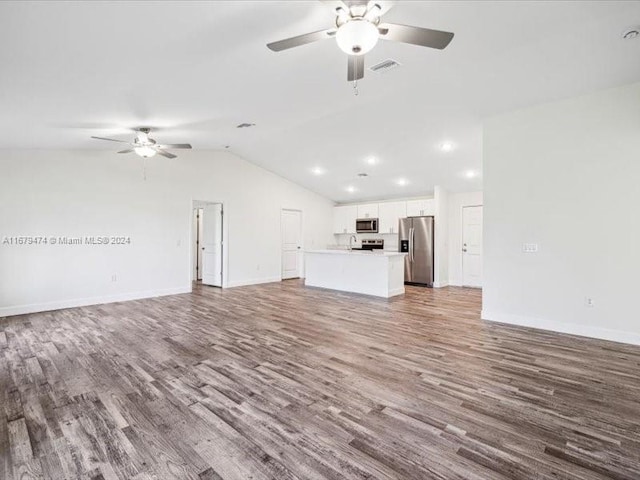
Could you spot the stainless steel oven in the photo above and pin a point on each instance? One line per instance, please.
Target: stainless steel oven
(367, 225)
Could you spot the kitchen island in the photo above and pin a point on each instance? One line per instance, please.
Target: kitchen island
(375, 273)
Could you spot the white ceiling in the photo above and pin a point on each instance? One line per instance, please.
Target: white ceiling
(75, 69)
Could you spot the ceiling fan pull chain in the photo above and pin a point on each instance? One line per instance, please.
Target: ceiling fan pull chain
(144, 168)
(355, 81)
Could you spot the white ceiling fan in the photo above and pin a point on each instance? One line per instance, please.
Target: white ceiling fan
(357, 30)
(145, 146)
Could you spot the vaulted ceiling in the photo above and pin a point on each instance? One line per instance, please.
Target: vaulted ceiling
(198, 69)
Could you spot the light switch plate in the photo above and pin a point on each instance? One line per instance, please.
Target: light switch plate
(530, 247)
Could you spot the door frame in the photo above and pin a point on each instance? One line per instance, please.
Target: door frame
(300, 252)
(195, 204)
(462, 243)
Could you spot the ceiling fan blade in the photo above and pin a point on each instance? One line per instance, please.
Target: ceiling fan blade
(110, 139)
(127, 151)
(301, 40)
(355, 68)
(424, 37)
(174, 145)
(385, 5)
(165, 154)
(335, 4)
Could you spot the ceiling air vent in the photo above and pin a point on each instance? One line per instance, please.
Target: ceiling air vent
(385, 66)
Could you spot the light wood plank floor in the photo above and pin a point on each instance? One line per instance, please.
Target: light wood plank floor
(283, 382)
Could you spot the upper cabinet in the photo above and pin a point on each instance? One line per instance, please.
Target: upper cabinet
(420, 208)
(344, 219)
(389, 215)
(369, 210)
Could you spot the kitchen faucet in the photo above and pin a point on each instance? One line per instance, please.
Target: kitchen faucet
(352, 237)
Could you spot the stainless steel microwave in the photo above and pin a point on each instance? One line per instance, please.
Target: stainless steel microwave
(367, 225)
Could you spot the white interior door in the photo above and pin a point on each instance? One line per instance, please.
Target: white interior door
(291, 243)
(472, 246)
(212, 245)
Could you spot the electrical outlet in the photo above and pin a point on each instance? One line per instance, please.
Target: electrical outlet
(589, 302)
(530, 247)
(114, 278)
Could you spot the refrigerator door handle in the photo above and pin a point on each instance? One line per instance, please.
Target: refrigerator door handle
(413, 244)
(411, 241)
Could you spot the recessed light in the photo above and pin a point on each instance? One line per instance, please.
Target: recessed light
(402, 182)
(372, 160)
(471, 174)
(317, 171)
(351, 189)
(446, 146)
(631, 33)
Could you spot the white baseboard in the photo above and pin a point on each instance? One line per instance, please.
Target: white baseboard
(83, 302)
(562, 327)
(454, 284)
(440, 284)
(255, 281)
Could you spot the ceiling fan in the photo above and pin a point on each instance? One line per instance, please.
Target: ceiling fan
(145, 146)
(358, 28)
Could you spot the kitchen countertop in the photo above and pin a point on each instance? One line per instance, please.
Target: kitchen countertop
(367, 253)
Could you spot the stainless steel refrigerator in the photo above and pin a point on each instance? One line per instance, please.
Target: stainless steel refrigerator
(415, 237)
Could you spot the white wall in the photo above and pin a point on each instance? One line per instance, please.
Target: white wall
(566, 176)
(457, 201)
(78, 193)
(441, 238)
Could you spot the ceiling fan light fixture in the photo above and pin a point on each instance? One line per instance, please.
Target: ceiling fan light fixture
(142, 137)
(357, 37)
(343, 15)
(145, 151)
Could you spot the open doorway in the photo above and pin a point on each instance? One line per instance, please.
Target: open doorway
(207, 244)
(197, 264)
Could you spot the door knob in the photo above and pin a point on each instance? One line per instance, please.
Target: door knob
(464, 249)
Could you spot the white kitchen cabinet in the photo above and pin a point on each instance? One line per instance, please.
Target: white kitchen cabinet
(369, 210)
(420, 208)
(344, 219)
(389, 215)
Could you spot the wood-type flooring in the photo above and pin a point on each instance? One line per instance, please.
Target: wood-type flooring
(279, 381)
